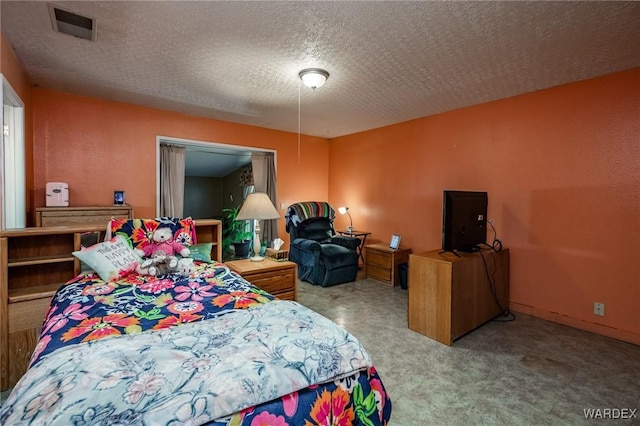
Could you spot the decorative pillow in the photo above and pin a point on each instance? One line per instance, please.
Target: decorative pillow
(111, 259)
(139, 231)
(201, 252)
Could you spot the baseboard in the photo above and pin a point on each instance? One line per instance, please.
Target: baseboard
(600, 329)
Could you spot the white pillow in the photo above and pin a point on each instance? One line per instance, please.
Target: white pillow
(111, 259)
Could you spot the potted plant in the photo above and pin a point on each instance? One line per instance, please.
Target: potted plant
(236, 238)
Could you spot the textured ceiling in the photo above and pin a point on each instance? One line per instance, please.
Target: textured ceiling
(389, 61)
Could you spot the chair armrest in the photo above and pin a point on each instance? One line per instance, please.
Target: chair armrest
(306, 253)
(348, 242)
(305, 244)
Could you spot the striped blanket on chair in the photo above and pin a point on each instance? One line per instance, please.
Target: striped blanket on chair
(304, 210)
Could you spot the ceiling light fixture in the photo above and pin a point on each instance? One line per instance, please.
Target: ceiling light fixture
(313, 77)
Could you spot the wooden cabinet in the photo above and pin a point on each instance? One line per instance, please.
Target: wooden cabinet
(381, 262)
(35, 262)
(451, 295)
(278, 278)
(88, 215)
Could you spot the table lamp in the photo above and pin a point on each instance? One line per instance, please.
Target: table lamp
(257, 206)
(345, 210)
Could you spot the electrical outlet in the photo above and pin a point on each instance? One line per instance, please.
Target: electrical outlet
(598, 309)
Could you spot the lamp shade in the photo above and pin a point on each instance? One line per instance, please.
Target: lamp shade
(258, 206)
(314, 77)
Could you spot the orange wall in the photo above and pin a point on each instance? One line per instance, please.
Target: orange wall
(562, 169)
(21, 83)
(98, 146)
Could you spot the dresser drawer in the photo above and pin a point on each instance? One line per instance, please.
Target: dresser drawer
(88, 219)
(69, 216)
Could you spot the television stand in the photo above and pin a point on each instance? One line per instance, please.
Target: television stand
(441, 252)
(450, 294)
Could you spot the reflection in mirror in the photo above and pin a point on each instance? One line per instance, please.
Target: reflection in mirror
(13, 159)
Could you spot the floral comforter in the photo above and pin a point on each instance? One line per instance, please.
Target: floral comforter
(205, 349)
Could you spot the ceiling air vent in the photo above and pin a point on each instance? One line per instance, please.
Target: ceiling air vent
(70, 23)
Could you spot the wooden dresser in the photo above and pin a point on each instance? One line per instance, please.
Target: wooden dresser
(278, 278)
(87, 215)
(449, 295)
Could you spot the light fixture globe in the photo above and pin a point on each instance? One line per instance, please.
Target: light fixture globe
(313, 77)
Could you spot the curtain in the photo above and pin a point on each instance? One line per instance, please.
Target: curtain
(172, 163)
(264, 180)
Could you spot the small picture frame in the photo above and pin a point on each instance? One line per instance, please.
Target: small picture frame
(395, 242)
(118, 197)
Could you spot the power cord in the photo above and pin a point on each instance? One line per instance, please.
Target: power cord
(495, 246)
(506, 314)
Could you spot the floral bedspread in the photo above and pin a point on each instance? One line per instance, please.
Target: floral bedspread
(88, 308)
(204, 349)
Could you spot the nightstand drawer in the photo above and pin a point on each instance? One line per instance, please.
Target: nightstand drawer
(379, 273)
(273, 281)
(278, 278)
(379, 259)
(287, 295)
(381, 262)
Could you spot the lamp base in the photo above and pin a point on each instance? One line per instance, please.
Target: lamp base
(256, 258)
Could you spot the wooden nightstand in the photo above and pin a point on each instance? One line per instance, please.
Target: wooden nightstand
(381, 262)
(278, 278)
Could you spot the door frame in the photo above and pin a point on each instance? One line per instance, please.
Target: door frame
(13, 166)
(205, 146)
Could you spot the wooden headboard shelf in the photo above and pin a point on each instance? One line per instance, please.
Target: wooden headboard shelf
(34, 263)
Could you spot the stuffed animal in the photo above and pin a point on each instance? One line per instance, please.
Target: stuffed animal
(163, 242)
(185, 267)
(158, 264)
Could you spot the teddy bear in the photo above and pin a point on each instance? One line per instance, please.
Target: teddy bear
(163, 241)
(161, 255)
(158, 264)
(185, 267)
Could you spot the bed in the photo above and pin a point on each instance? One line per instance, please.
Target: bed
(202, 347)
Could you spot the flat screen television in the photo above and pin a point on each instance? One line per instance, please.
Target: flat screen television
(464, 220)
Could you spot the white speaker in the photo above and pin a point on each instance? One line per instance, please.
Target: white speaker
(57, 194)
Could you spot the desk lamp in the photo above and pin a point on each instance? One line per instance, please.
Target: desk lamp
(257, 206)
(345, 210)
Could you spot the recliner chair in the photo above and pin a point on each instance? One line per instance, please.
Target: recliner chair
(323, 257)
